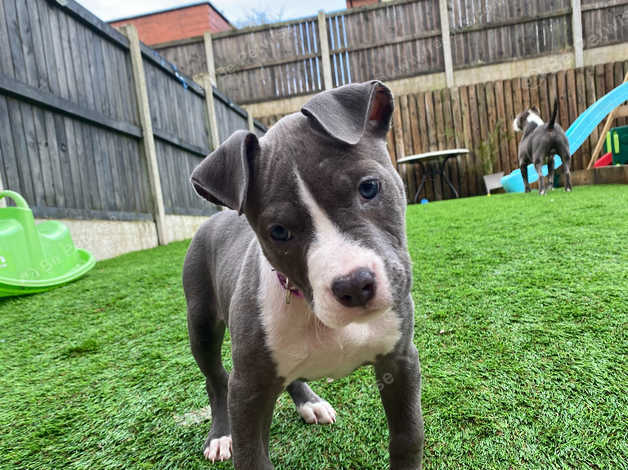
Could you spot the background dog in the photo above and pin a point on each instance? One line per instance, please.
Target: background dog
(539, 144)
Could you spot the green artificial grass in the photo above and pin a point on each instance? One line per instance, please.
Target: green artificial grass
(521, 312)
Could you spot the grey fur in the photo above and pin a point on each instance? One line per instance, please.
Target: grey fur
(334, 144)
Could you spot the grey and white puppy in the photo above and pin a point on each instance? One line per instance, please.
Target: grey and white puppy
(313, 282)
(539, 144)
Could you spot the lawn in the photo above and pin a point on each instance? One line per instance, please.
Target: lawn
(521, 326)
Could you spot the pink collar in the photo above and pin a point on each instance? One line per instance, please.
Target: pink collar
(285, 283)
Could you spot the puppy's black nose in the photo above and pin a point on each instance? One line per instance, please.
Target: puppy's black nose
(355, 289)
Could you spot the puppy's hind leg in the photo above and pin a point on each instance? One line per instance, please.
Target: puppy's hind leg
(524, 175)
(550, 172)
(566, 162)
(206, 329)
(311, 407)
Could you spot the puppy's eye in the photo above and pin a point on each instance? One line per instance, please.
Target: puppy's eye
(369, 189)
(280, 233)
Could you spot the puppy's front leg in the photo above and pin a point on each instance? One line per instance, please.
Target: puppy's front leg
(399, 382)
(251, 404)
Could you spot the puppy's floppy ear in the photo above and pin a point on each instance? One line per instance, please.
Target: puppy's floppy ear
(223, 176)
(346, 113)
(536, 110)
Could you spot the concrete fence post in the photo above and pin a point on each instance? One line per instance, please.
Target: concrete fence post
(250, 121)
(209, 56)
(576, 27)
(212, 123)
(148, 139)
(446, 39)
(324, 40)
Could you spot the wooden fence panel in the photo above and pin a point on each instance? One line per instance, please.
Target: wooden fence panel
(394, 41)
(66, 167)
(70, 135)
(179, 120)
(192, 55)
(56, 53)
(604, 23)
(62, 165)
(228, 120)
(488, 32)
(176, 108)
(269, 62)
(175, 166)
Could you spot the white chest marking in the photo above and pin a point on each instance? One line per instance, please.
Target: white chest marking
(302, 347)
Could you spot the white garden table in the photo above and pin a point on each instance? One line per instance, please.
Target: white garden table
(440, 156)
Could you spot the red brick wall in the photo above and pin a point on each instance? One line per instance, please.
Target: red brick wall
(182, 23)
(360, 3)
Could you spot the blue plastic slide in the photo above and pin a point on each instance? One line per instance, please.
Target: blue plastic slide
(576, 134)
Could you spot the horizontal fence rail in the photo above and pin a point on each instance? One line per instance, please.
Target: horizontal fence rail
(71, 138)
(394, 40)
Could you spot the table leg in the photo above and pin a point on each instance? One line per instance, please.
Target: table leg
(423, 179)
(443, 172)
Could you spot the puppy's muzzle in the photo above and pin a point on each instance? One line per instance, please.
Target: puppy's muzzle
(356, 288)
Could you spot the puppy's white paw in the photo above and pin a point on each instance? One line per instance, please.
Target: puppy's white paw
(319, 412)
(218, 449)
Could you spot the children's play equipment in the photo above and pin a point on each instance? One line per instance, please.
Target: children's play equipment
(617, 144)
(36, 258)
(576, 134)
(605, 160)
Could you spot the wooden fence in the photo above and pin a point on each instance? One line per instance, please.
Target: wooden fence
(479, 117)
(72, 138)
(393, 40)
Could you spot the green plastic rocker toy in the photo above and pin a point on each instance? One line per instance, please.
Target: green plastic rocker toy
(36, 258)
